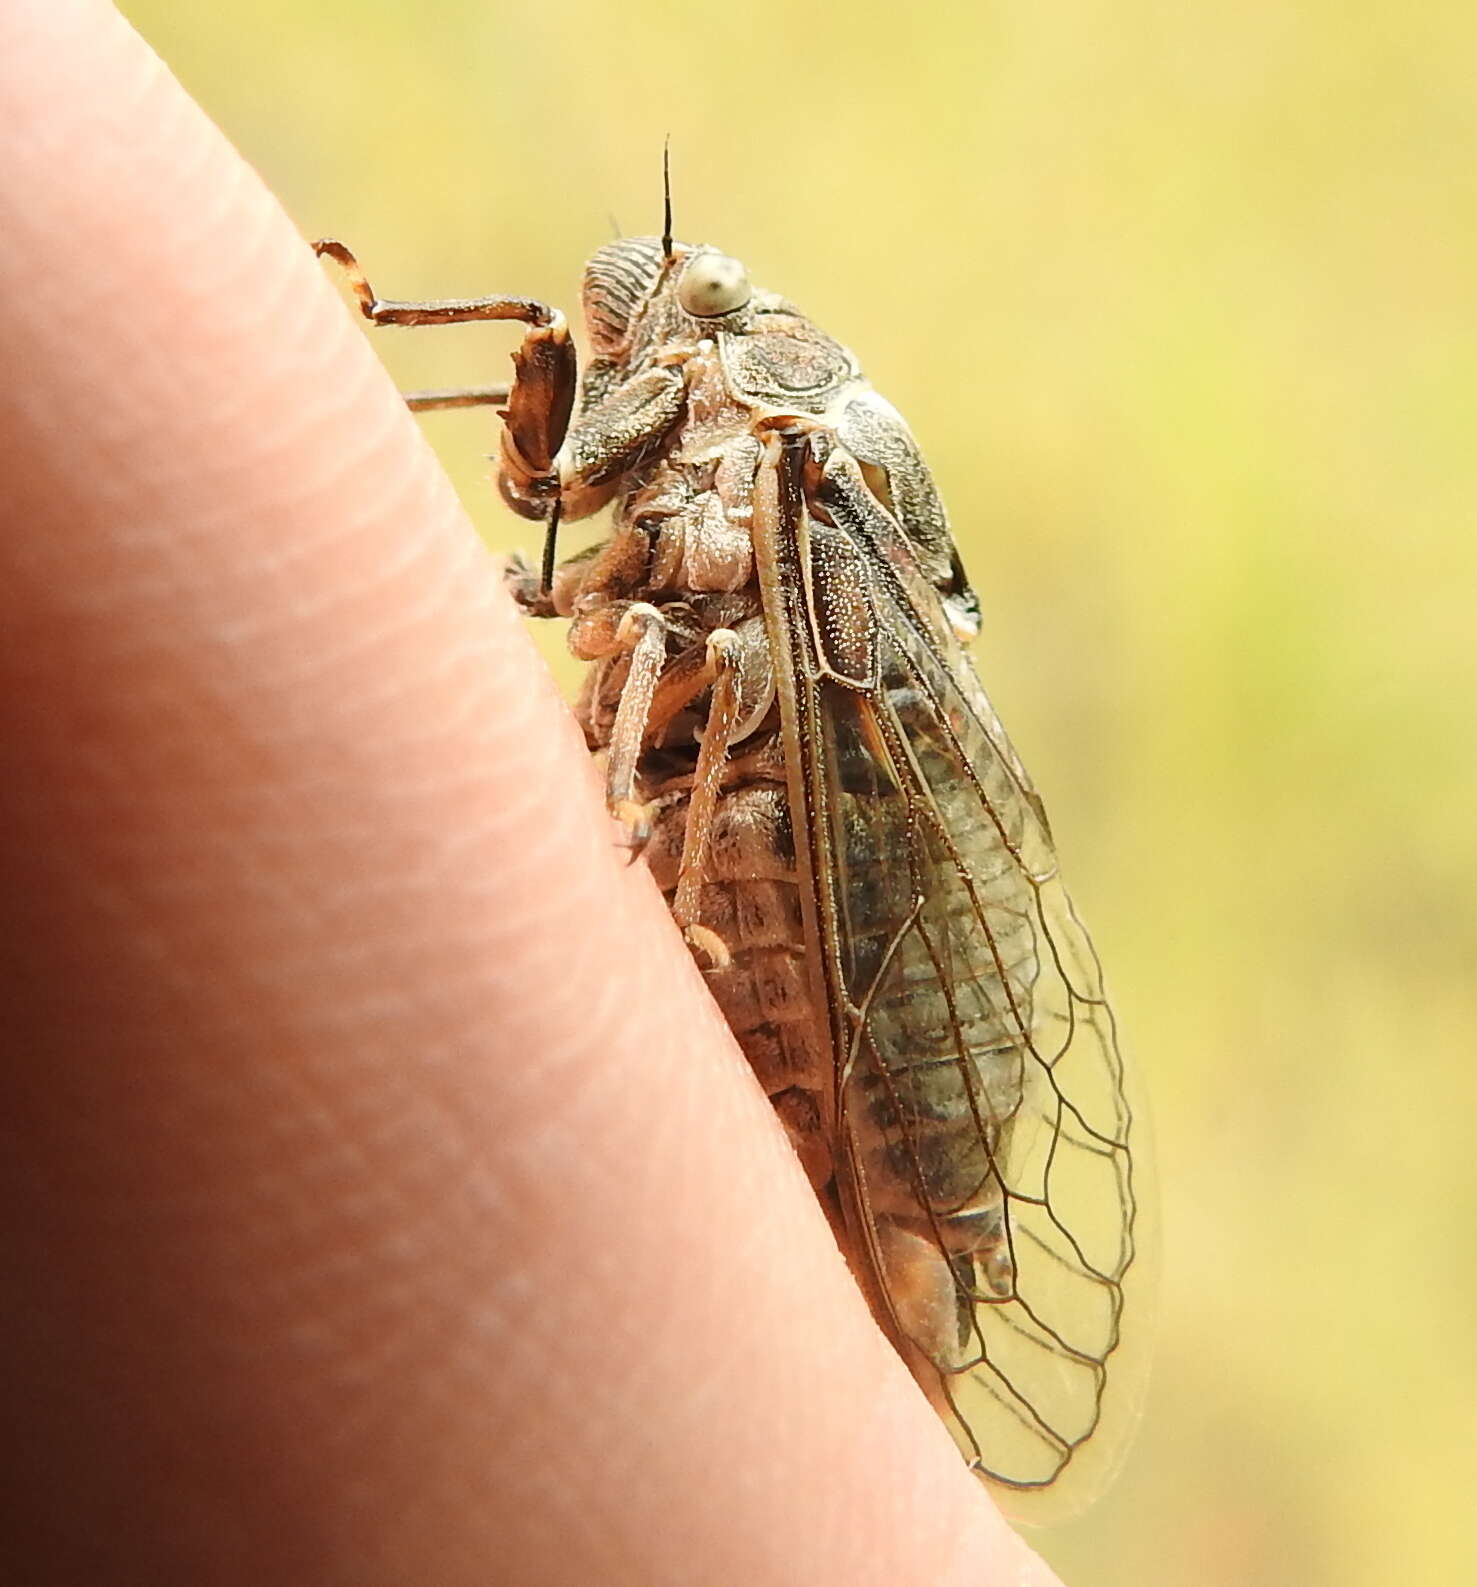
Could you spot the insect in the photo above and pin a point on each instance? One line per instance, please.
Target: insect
(796, 741)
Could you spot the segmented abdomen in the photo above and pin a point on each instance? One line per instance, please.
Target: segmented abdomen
(751, 900)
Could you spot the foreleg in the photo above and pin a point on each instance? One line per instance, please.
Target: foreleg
(545, 376)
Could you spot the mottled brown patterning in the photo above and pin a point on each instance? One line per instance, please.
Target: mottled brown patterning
(796, 741)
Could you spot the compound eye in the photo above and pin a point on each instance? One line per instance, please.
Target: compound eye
(713, 284)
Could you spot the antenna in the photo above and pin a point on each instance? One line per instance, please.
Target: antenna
(667, 196)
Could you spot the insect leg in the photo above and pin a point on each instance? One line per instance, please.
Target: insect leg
(723, 719)
(652, 691)
(598, 577)
(458, 397)
(644, 630)
(540, 399)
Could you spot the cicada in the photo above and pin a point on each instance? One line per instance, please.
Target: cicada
(795, 740)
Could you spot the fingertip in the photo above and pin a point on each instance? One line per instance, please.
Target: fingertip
(421, 1121)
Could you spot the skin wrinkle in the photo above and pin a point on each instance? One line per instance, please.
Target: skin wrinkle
(364, 640)
(247, 460)
(253, 1199)
(302, 601)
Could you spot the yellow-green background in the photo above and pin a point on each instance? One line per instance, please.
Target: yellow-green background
(1180, 301)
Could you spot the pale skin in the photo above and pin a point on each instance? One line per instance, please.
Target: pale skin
(381, 1198)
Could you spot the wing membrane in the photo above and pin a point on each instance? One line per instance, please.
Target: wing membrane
(991, 1155)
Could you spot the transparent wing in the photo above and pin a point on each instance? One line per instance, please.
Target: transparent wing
(992, 1156)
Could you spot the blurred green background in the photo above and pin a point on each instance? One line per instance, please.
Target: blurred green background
(1180, 302)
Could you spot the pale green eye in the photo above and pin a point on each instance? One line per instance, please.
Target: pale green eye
(713, 284)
